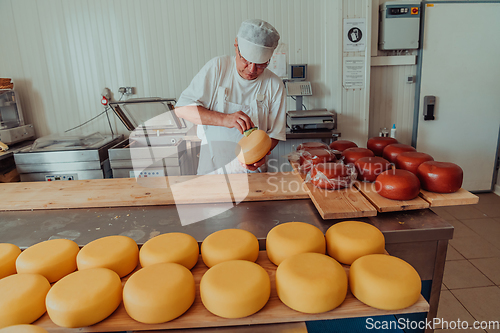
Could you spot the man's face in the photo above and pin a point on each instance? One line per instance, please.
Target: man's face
(248, 70)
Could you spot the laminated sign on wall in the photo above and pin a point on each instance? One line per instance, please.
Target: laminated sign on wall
(354, 72)
(354, 34)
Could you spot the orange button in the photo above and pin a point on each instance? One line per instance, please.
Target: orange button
(414, 10)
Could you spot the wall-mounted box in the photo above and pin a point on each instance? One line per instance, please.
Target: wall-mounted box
(399, 25)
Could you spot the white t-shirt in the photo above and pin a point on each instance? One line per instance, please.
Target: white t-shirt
(202, 91)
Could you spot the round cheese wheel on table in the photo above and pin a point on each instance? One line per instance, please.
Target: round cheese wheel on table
(84, 298)
(23, 328)
(440, 177)
(176, 247)
(159, 293)
(384, 282)
(311, 283)
(8, 256)
(312, 157)
(312, 145)
(369, 168)
(378, 143)
(331, 176)
(118, 253)
(53, 259)
(22, 298)
(341, 145)
(349, 240)
(254, 147)
(235, 289)
(288, 239)
(411, 160)
(392, 151)
(351, 155)
(397, 185)
(229, 244)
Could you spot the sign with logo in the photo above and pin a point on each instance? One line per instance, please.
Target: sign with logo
(354, 34)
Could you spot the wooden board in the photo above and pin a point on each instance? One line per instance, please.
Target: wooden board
(337, 204)
(198, 316)
(127, 192)
(461, 197)
(387, 205)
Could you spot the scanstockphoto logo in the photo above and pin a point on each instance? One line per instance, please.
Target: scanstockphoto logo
(435, 323)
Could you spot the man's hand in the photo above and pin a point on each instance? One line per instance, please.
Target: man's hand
(238, 120)
(256, 165)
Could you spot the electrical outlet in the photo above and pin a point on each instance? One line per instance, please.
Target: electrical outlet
(122, 90)
(129, 90)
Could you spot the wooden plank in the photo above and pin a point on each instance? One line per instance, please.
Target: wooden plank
(337, 204)
(198, 316)
(387, 205)
(461, 197)
(124, 192)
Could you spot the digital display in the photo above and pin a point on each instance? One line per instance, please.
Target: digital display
(297, 72)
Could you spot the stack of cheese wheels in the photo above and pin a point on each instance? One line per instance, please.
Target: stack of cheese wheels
(339, 146)
(53, 259)
(288, 239)
(331, 176)
(397, 184)
(84, 298)
(312, 145)
(392, 151)
(311, 282)
(440, 177)
(22, 298)
(235, 288)
(369, 168)
(351, 155)
(349, 240)
(254, 147)
(411, 160)
(229, 244)
(23, 328)
(118, 253)
(8, 256)
(312, 157)
(175, 247)
(159, 293)
(378, 143)
(384, 282)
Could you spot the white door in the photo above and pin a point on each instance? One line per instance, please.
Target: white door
(460, 66)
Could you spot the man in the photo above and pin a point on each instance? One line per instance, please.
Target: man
(233, 94)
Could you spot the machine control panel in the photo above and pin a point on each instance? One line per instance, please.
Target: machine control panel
(59, 177)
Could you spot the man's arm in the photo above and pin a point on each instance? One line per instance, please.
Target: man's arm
(202, 116)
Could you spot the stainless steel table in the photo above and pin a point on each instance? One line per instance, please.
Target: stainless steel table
(419, 237)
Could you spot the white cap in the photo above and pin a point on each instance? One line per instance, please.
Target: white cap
(257, 40)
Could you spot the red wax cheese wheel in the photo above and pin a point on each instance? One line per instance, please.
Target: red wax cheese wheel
(440, 177)
(397, 185)
(392, 151)
(311, 145)
(315, 156)
(378, 143)
(351, 155)
(341, 145)
(411, 160)
(331, 176)
(369, 168)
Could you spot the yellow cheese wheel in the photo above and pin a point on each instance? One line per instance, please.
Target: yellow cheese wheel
(53, 259)
(229, 244)
(118, 253)
(254, 147)
(347, 241)
(23, 328)
(159, 293)
(22, 298)
(311, 282)
(384, 282)
(235, 289)
(8, 256)
(84, 298)
(171, 247)
(288, 239)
